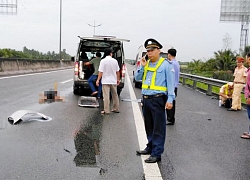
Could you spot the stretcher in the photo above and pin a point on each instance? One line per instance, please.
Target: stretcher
(88, 101)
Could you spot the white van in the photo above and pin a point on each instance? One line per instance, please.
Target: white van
(87, 47)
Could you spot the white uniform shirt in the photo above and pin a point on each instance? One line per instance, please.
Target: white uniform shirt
(109, 66)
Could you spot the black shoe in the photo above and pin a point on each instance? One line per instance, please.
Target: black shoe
(169, 123)
(143, 152)
(152, 159)
(230, 109)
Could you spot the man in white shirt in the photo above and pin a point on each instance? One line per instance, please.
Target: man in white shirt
(109, 72)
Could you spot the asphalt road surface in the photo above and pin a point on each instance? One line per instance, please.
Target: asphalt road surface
(79, 143)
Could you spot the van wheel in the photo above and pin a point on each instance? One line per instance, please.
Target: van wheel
(75, 90)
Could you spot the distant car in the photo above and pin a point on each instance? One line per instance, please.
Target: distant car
(142, 52)
(87, 48)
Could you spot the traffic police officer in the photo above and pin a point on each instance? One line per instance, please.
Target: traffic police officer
(157, 77)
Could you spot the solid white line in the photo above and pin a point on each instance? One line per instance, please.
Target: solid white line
(151, 170)
(33, 74)
(66, 81)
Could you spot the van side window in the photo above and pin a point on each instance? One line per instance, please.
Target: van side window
(84, 57)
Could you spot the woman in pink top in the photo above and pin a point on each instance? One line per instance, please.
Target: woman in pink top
(246, 135)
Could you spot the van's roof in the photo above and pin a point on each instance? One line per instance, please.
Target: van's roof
(104, 38)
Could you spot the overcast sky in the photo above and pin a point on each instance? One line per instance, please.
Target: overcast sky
(190, 26)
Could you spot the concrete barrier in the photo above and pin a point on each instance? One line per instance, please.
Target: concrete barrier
(21, 66)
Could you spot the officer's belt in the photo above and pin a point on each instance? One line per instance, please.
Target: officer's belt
(239, 82)
(152, 96)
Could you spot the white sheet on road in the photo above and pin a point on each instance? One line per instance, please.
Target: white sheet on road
(26, 115)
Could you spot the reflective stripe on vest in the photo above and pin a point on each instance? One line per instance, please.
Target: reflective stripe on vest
(226, 90)
(152, 86)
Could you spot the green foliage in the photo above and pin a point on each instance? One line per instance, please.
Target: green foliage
(210, 65)
(221, 66)
(195, 66)
(223, 75)
(33, 54)
(225, 60)
(246, 50)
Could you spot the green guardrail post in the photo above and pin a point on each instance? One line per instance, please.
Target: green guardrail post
(183, 81)
(209, 90)
(194, 84)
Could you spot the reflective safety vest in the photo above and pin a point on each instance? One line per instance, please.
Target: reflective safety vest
(226, 90)
(152, 86)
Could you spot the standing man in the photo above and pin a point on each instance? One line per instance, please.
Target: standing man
(246, 135)
(96, 62)
(240, 74)
(109, 72)
(171, 112)
(157, 77)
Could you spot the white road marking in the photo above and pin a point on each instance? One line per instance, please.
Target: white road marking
(151, 170)
(33, 74)
(66, 81)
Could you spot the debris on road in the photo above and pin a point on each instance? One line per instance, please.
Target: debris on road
(88, 101)
(27, 116)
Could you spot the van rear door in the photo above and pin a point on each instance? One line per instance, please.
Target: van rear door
(90, 45)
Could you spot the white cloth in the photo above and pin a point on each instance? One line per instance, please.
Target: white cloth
(109, 66)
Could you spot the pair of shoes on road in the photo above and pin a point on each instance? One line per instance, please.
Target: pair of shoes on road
(231, 109)
(152, 159)
(115, 111)
(94, 93)
(245, 135)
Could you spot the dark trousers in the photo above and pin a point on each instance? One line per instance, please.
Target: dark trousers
(171, 112)
(155, 124)
(228, 103)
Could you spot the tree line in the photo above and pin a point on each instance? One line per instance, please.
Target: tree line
(33, 54)
(220, 66)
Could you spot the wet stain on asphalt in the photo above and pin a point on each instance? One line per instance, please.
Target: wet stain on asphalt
(87, 139)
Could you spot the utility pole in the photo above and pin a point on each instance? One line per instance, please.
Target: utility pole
(60, 38)
(94, 26)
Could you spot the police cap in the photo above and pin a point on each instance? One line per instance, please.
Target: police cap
(240, 59)
(152, 44)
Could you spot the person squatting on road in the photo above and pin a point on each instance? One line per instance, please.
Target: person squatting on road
(246, 135)
(96, 63)
(171, 112)
(240, 74)
(157, 77)
(225, 94)
(109, 72)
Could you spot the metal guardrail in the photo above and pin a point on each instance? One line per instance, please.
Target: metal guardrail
(209, 81)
